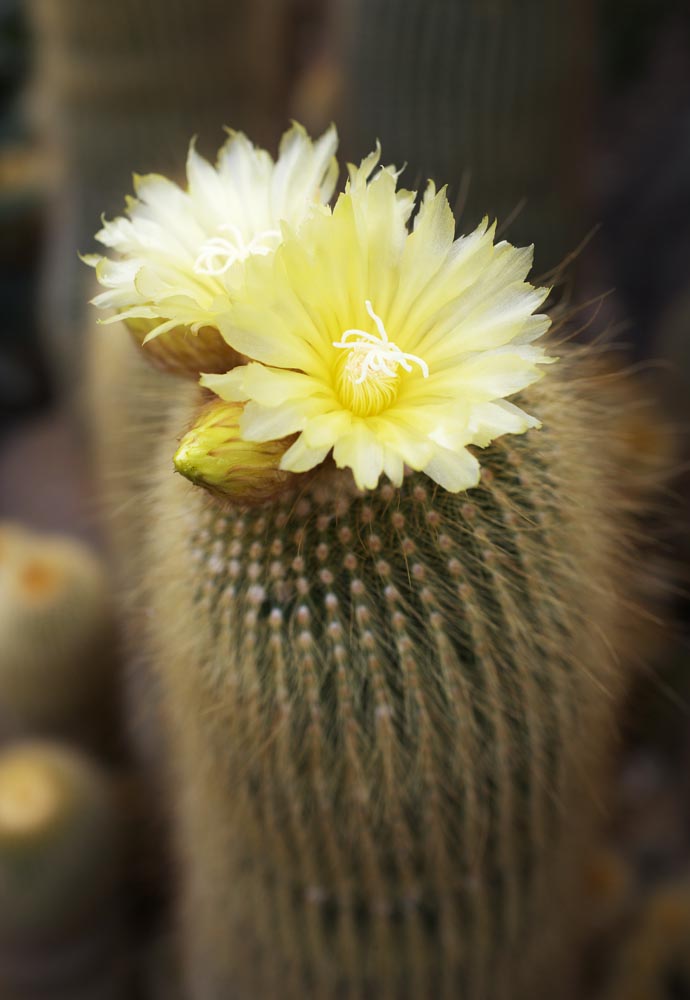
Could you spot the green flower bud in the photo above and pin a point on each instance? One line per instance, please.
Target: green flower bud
(213, 454)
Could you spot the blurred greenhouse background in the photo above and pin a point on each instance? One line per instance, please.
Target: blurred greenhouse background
(569, 121)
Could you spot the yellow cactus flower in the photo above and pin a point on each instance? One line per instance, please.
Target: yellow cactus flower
(180, 253)
(389, 347)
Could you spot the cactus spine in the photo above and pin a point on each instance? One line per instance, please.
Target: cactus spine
(388, 715)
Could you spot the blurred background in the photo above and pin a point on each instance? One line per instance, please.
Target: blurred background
(569, 121)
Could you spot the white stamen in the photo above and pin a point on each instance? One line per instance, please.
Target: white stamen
(218, 254)
(375, 354)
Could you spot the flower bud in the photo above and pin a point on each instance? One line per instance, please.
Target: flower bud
(180, 351)
(212, 454)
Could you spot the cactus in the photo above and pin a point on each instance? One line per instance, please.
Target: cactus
(387, 716)
(129, 415)
(489, 95)
(60, 911)
(56, 662)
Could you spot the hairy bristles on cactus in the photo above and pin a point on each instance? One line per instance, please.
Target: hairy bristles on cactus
(130, 403)
(389, 713)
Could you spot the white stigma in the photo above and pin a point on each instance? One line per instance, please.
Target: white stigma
(218, 254)
(375, 354)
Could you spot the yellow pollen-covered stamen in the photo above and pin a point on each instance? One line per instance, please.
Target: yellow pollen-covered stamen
(218, 254)
(372, 354)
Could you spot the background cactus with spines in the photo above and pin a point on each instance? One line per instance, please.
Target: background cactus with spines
(487, 95)
(388, 715)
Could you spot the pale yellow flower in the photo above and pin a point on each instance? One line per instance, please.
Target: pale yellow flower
(385, 346)
(179, 254)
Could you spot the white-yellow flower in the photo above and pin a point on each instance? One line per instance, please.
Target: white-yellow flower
(389, 348)
(179, 254)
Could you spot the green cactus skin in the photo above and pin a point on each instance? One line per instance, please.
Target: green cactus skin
(61, 919)
(388, 716)
(487, 94)
(56, 629)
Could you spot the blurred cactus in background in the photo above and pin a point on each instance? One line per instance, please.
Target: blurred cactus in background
(61, 907)
(489, 95)
(56, 638)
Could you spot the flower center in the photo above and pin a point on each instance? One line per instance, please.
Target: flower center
(218, 254)
(368, 375)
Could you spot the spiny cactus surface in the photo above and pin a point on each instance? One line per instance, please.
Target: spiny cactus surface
(388, 714)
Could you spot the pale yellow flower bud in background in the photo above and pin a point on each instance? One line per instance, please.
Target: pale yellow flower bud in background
(213, 455)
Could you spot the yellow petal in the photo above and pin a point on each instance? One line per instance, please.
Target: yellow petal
(262, 423)
(491, 420)
(454, 471)
(267, 386)
(300, 457)
(361, 451)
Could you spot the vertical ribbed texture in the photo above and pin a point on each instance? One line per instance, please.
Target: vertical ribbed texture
(388, 715)
(485, 95)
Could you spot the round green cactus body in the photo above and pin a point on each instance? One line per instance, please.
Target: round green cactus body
(61, 916)
(56, 661)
